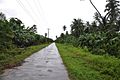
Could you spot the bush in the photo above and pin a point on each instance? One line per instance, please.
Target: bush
(101, 43)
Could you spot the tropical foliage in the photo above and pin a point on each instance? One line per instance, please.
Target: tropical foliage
(102, 36)
(14, 33)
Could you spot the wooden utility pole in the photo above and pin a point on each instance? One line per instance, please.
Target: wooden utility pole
(48, 32)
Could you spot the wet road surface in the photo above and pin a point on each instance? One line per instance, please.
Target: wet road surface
(42, 65)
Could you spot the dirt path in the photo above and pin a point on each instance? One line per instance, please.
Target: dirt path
(43, 65)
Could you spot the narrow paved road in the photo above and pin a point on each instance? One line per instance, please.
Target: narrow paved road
(43, 65)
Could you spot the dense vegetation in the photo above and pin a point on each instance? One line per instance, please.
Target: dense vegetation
(82, 65)
(14, 33)
(102, 36)
(16, 39)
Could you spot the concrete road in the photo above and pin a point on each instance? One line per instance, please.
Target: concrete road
(43, 65)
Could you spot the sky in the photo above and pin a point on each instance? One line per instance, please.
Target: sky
(52, 14)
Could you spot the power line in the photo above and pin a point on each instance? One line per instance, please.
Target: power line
(37, 6)
(42, 11)
(34, 17)
(38, 9)
(27, 11)
(37, 16)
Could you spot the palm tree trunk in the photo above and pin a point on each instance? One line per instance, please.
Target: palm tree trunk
(95, 8)
(103, 20)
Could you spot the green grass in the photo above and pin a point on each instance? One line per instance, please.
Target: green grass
(82, 65)
(15, 57)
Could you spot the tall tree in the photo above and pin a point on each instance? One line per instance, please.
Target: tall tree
(64, 28)
(113, 11)
(103, 19)
(45, 34)
(98, 16)
(33, 29)
(2, 16)
(87, 27)
(77, 27)
(16, 24)
(62, 35)
(67, 33)
(56, 37)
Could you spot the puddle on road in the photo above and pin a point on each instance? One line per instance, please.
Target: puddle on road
(39, 66)
(42, 75)
(51, 58)
(51, 50)
(47, 61)
(49, 70)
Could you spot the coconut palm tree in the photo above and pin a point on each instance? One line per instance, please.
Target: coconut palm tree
(45, 34)
(2, 16)
(113, 11)
(64, 28)
(77, 27)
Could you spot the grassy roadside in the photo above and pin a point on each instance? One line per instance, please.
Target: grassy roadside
(15, 57)
(82, 65)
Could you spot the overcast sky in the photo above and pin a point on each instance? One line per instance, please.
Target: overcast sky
(53, 14)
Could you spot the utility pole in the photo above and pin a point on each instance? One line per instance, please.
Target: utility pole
(48, 32)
